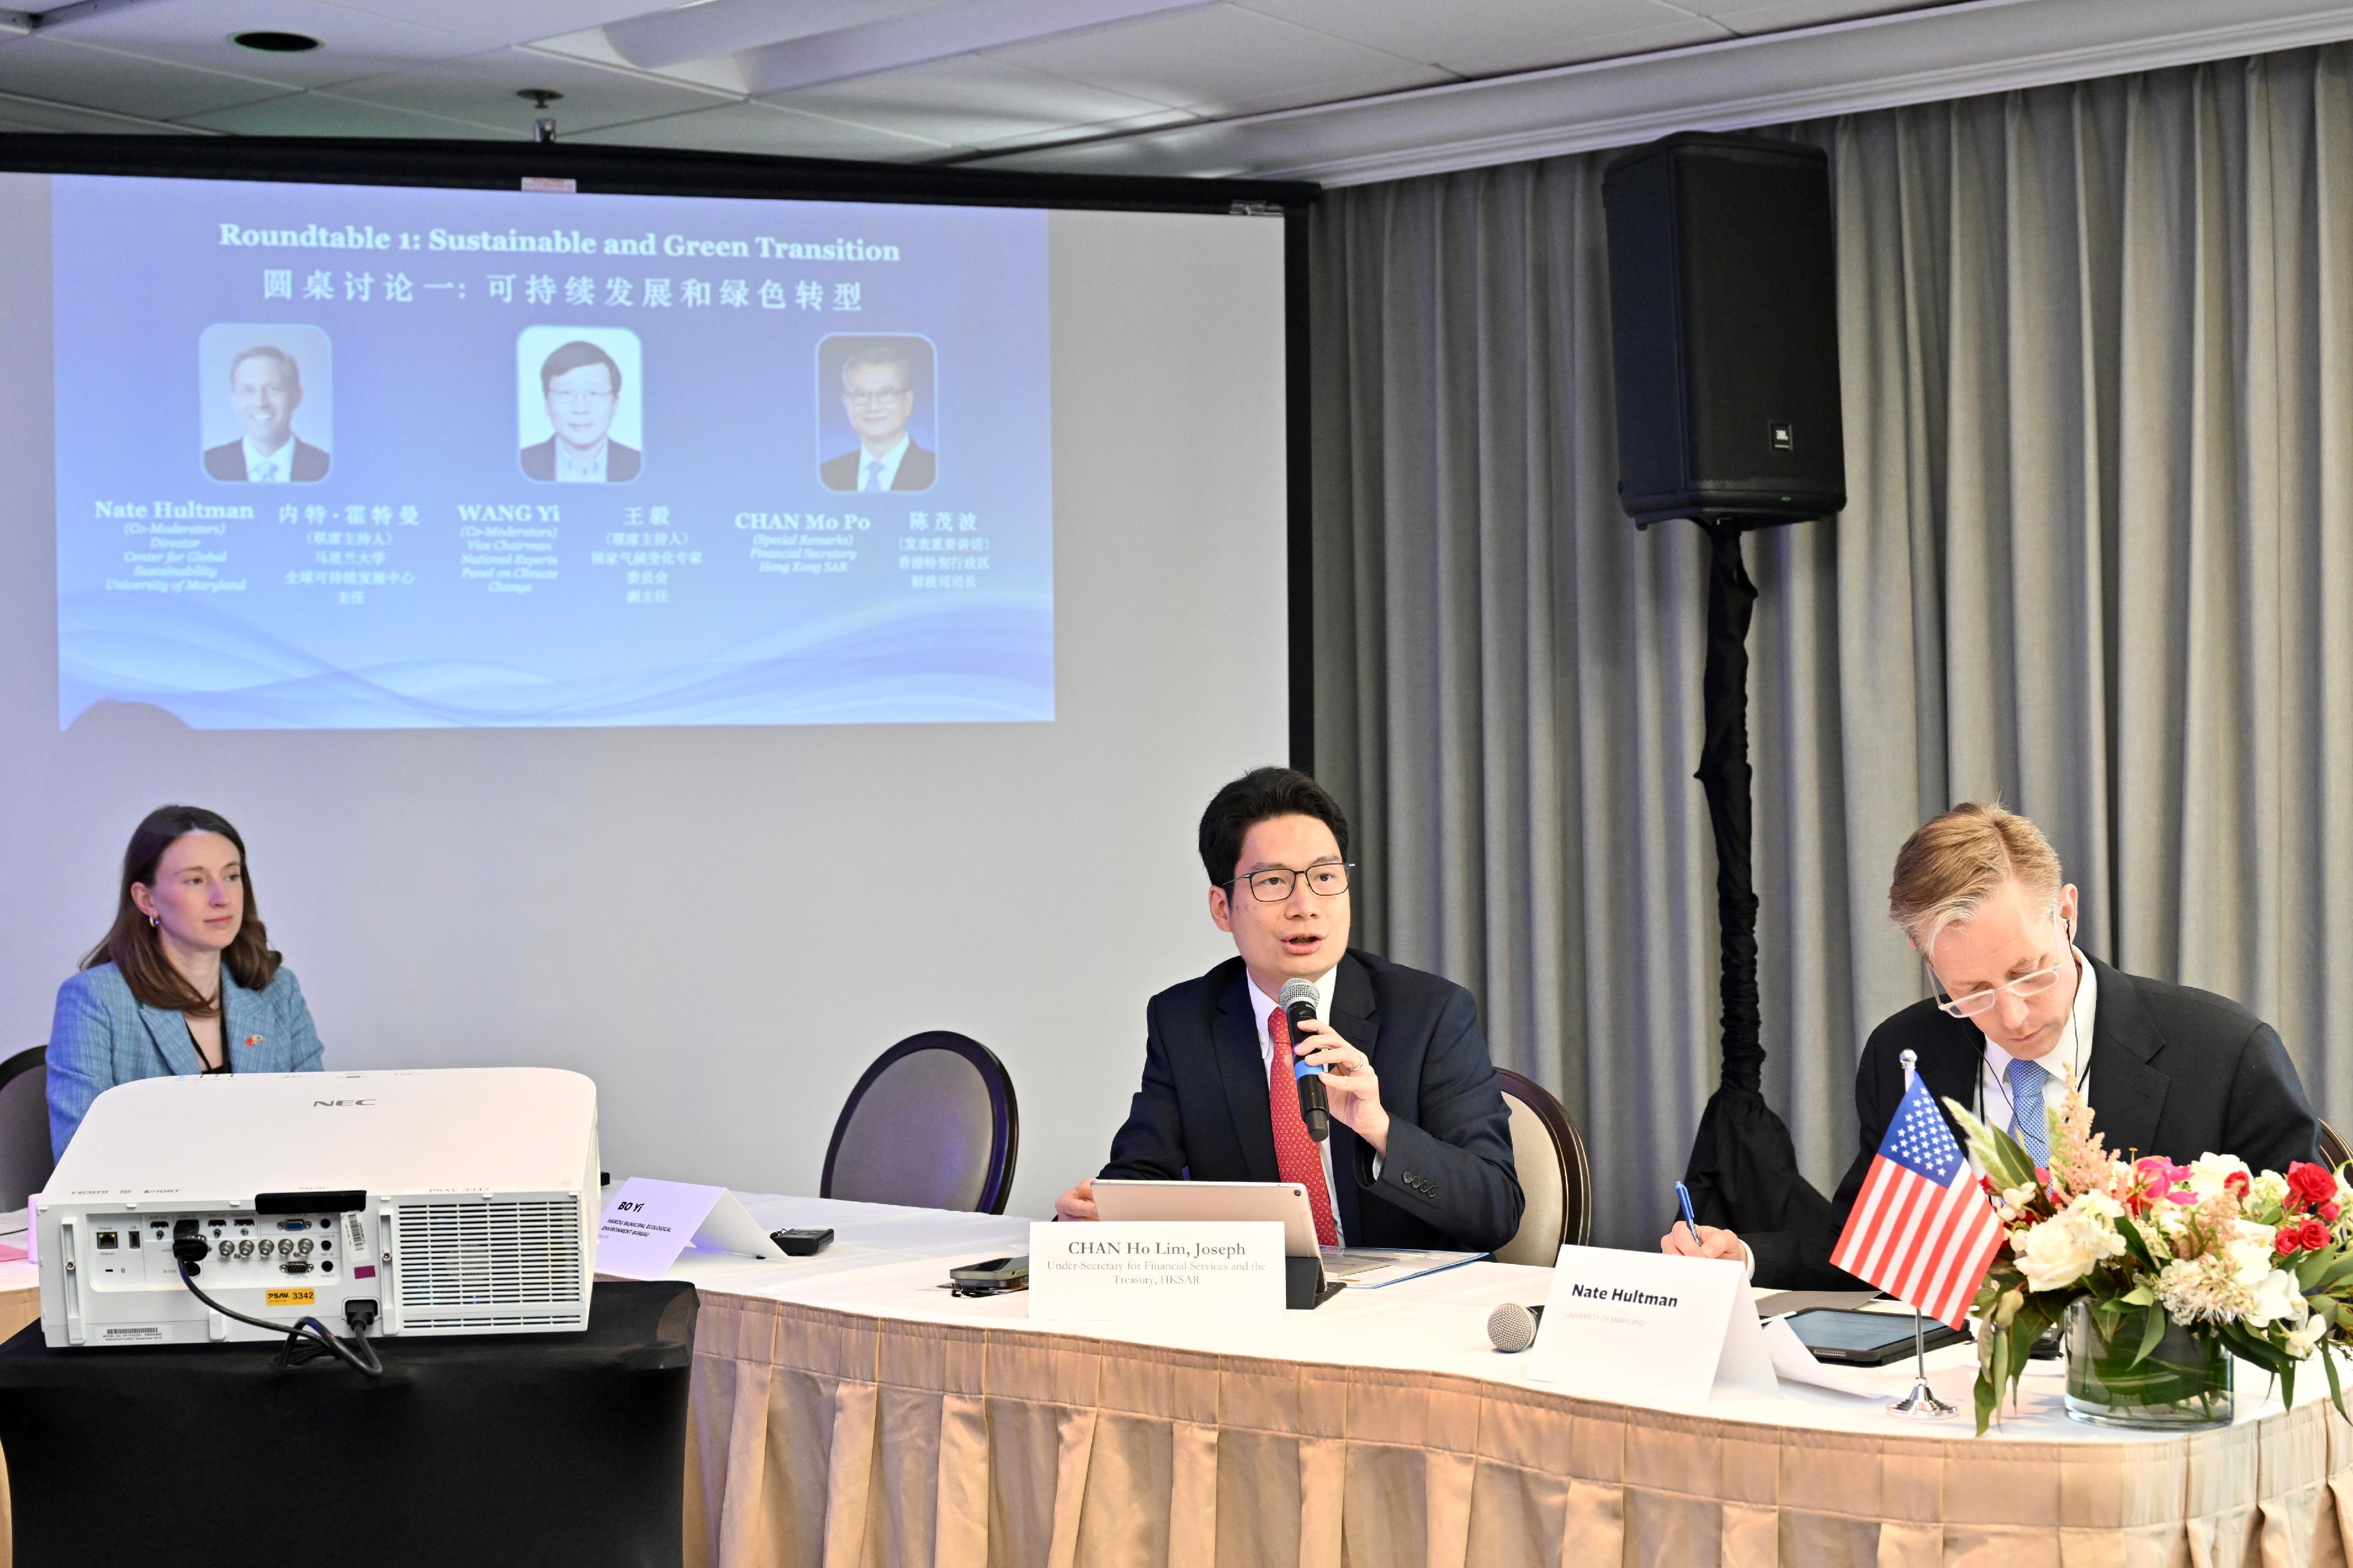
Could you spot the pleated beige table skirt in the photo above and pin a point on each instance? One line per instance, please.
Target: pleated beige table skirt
(842, 1439)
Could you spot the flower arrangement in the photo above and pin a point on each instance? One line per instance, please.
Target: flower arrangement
(2259, 1265)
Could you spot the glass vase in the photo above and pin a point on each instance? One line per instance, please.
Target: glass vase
(2184, 1382)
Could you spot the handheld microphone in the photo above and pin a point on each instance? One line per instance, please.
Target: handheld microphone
(1511, 1328)
(1298, 1000)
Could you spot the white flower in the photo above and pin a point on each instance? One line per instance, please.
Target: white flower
(2200, 1289)
(2276, 1299)
(2208, 1172)
(2303, 1340)
(2249, 1249)
(2271, 1187)
(2019, 1197)
(2064, 1248)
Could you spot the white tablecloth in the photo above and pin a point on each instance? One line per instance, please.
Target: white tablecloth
(850, 1412)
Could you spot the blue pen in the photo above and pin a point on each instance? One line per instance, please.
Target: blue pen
(1691, 1220)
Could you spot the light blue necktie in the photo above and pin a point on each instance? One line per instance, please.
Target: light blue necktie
(2026, 1101)
(874, 474)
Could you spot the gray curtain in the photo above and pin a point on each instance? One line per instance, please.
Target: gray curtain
(2096, 353)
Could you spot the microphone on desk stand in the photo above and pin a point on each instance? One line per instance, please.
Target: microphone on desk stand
(1511, 1328)
(1298, 1002)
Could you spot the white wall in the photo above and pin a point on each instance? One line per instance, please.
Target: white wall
(723, 926)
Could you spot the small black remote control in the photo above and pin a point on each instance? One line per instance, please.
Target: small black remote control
(801, 1242)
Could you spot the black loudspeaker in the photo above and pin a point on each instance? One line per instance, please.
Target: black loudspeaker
(1723, 314)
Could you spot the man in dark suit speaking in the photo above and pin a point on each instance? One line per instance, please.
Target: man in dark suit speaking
(1420, 1151)
(582, 386)
(265, 387)
(2020, 1016)
(878, 393)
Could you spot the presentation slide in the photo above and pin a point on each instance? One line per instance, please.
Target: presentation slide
(331, 457)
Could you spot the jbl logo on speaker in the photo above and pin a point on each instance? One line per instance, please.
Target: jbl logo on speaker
(1783, 434)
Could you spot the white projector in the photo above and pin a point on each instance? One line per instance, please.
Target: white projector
(455, 1202)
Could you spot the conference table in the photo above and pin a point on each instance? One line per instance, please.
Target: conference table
(849, 1411)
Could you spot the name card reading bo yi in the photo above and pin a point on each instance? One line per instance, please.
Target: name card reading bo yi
(1157, 1269)
(1650, 1325)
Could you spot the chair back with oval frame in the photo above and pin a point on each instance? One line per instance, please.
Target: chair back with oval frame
(1554, 1178)
(931, 1124)
(24, 1159)
(2333, 1152)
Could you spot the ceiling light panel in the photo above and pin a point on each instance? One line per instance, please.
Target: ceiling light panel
(1222, 59)
(662, 38)
(1482, 37)
(972, 102)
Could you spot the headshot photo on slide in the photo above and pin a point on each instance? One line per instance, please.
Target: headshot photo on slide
(265, 402)
(877, 412)
(579, 404)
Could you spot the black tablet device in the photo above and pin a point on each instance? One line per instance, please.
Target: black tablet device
(1864, 1339)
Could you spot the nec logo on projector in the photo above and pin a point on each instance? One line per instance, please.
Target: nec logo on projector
(330, 1104)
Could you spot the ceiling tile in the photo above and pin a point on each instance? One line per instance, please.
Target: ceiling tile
(482, 89)
(1753, 16)
(63, 72)
(1222, 59)
(763, 128)
(31, 114)
(197, 32)
(506, 21)
(1490, 38)
(323, 114)
(971, 101)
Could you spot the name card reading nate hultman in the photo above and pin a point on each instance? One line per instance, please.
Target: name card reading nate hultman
(1157, 1269)
(1651, 1326)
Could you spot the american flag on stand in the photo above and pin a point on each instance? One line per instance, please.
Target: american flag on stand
(1921, 1229)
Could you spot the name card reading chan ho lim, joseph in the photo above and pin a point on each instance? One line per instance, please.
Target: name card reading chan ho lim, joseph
(1649, 1325)
(1157, 1269)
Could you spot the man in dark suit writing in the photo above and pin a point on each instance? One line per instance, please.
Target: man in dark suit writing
(878, 393)
(265, 387)
(2019, 1016)
(1420, 1153)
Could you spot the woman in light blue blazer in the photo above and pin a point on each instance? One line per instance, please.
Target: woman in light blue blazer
(184, 982)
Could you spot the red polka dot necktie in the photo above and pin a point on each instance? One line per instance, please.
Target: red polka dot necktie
(1296, 1158)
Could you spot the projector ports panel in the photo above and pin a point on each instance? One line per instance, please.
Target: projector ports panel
(120, 1282)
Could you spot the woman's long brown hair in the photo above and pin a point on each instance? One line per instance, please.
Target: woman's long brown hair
(135, 949)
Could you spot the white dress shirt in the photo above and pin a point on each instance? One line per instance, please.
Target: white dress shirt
(2068, 1062)
(1261, 1007)
(872, 478)
(573, 469)
(270, 468)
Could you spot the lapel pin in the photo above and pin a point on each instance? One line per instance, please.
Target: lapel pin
(251, 1041)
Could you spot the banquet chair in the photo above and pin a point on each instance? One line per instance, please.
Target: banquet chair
(1553, 1177)
(24, 1161)
(931, 1124)
(2333, 1152)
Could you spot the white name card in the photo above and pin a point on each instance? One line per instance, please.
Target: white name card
(1650, 1325)
(649, 1222)
(1157, 1269)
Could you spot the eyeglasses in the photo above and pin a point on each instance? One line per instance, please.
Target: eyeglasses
(1979, 1002)
(1273, 885)
(2025, 985)
(875, 399)
(561, 394)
